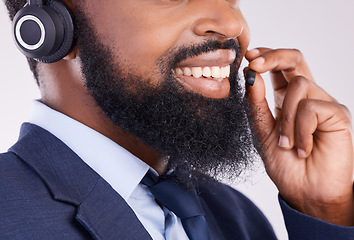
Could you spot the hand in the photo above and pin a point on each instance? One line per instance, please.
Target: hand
(308, 144)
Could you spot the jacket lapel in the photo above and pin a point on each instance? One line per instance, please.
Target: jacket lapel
(95, 213)
(101, 210)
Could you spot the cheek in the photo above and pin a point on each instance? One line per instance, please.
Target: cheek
(244, 38)
(139, 38)
(145, 46)
(140, 32)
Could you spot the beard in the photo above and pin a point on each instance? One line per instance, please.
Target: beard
(198, 136)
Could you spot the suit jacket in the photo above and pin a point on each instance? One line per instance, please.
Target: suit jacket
(48, 192)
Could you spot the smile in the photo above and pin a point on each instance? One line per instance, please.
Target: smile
(206, 74)
(215, 73)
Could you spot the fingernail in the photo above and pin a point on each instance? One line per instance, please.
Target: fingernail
(301, 153)
(259, 60)
(284, 142)
(250, 77)
(254, 51)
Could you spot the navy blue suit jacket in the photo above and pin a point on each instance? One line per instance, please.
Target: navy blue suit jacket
(48, 192)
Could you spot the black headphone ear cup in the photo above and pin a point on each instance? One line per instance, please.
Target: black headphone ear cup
(44, 33)
(66, 18)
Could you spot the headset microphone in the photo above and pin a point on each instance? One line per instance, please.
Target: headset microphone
(44, 30)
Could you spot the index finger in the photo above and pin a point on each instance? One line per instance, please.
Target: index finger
(284, 64)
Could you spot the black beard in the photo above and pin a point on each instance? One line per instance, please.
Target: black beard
(197, 135)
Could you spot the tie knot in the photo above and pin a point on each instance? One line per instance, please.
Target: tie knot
(150, 179)
(184, 202)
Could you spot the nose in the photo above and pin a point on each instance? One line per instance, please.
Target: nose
(217, 17)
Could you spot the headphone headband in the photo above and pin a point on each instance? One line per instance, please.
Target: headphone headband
(35, 2)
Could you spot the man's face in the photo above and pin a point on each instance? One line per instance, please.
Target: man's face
(141, 31)
(132, 53)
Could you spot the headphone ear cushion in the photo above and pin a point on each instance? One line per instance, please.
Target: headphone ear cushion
(44, 33)
(66, 17)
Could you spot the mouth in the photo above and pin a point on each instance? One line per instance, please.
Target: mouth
(213, 73)
(207, 74)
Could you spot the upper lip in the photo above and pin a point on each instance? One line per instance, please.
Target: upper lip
(221, 57)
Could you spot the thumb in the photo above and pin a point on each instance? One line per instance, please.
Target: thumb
(263, 120)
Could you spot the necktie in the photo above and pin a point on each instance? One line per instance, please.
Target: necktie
(180, 200)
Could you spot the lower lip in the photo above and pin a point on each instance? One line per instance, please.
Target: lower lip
(207, 87)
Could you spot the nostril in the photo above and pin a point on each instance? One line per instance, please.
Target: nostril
(222, 25)
(210, 32)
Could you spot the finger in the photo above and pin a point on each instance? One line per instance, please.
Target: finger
(284, 64)
(316, 117)
(278, 60)
(256, 52)
(299, 88)
(263, 119)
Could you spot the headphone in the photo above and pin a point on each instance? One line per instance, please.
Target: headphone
(44, 31)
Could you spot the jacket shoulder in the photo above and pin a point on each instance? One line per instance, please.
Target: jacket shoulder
(27, 208)
(234, 213)
(18, 180)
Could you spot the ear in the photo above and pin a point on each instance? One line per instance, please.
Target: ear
(71, 55)
(73, 52)
(70, 4)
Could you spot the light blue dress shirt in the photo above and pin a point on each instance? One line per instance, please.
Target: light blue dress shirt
(121, 169)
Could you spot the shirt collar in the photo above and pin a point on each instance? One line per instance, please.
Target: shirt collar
(121, 169)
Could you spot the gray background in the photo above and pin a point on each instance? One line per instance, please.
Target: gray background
(322, 30)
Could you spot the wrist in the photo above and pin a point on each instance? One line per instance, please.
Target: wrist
(339, 212)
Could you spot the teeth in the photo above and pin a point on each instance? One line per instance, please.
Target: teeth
(225, 71)
(179, 71)
(215, 72)
(187, 72)
(197, 72)
(206, 72)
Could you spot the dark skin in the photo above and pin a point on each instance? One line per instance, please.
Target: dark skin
(309, 150)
